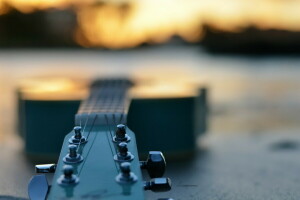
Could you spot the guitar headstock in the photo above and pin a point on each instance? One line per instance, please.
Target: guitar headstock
(102, 163)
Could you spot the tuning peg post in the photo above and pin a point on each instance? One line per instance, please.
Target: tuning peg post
(126, 176)
(68, 178)
(77, 138)
(120, 134)
(123, 154)
(72, 157)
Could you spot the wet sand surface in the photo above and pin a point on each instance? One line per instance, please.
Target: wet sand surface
(250, 150)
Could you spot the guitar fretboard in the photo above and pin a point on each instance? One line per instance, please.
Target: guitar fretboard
(107, 103)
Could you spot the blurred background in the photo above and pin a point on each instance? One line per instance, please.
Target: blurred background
(245, 52)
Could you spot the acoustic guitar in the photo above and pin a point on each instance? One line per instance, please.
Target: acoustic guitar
(99, 158)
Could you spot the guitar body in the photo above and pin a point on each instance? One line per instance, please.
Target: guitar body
(95, 183)
(172, 120)
(149, 118)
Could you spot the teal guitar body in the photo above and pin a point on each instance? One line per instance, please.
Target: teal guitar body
(149, 117)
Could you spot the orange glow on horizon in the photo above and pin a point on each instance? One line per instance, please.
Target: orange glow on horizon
(124, 24)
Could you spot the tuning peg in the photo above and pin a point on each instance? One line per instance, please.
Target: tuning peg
(158, 185)
(155, 164)
(45, 168)
(123, 154)
(68, 178)
(77, 138)
(121, 135)
(126, 176)
(38, 187)
(72, 157)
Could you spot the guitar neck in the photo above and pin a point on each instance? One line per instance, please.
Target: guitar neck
(107, 103)
(98, 171)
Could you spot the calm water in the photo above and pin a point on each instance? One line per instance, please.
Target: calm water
(246, 93)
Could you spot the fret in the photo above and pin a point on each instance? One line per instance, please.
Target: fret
(108, 102)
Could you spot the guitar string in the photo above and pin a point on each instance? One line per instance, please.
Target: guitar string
(89, 109)
(109, 142)
(124, 106)
(84, 160)
(117, 103)
(80, 108)
(108, 105)
(109, 112)
(120, 89)
(121, 97)
(106, 111)
(115, 106)
(106, 101)
(112, 112)
(84, 107)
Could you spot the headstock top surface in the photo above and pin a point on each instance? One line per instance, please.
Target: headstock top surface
(98, 173)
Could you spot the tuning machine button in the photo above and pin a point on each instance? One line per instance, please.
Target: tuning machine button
(72, 157)
(155, 164)
(68, 178)
(126, 176)
(45, 168)
(121, 135)
(123, 154)
(38, 187)
(77, 138)
(158, 185)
